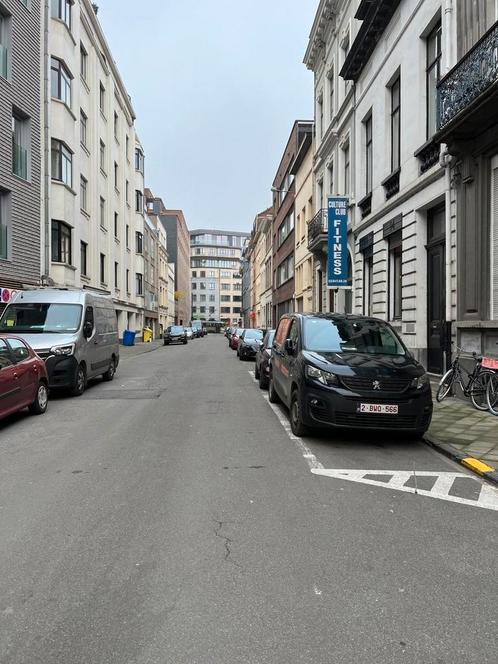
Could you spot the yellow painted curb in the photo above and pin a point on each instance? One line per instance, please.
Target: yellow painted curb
(477, 466)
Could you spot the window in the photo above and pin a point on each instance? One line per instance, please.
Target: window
(320, 194)
(21, 142)
(102, 98)
(225, 310)
(396, 274)
(319, 117)
(212, 285)
(116, 275)
(102, 268)
(116, 175)
(395, 125)
(139, 160)
(116, 225)
(62, 163)
(347, 177)
(212, 298)
(202, 285)
(331, 179)
(19, 350)
(331, 92)
(286, 227)
(345, 50)
(127, 236)
(202, 298)
(83, 259)
(368, 281)
(116, 125)
(102, 156)
(5, 37)
(194, 286)
(83, 128)
(60, 81)
(102, 212)
(139, 242)
(225, 287)
(194, 275)
(202, 310)
(83, 62)
(61, 242)
(127, 147)
(4, 223)
(139, 280)
(225, 298)
(139, 201)
(368, 154)
(83, 193)
(127, 281)
(433, 74)
(61, 9)
(285, 270)
(127, 191)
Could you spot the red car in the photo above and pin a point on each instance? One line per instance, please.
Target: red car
(23, 378)
(233, 340)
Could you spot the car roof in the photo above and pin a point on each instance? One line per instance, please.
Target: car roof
(333, 316)
(6, 335)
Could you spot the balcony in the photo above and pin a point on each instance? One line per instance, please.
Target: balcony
(468, 94)
(318, 232)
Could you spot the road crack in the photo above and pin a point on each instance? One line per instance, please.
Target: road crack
(228, 541)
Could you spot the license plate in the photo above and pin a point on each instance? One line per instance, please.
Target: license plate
(386, 409)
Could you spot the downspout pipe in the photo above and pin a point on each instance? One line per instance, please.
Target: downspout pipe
(46, 141)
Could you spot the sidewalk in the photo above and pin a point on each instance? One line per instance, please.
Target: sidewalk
(465, 434)
(140, 348)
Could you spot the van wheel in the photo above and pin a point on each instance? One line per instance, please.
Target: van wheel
(263, 381)
(79, 382)
(256, 372)
(109, 374)
(185, 341)
(39, 405)
(272, 394)
(296, 418)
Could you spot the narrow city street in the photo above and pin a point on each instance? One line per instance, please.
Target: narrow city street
(168, 517)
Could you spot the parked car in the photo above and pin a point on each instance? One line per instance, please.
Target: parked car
(249, 342)
(263, 360)
(74, 331)
(190, 333)
(229, 331)
(23, 378)
(233, 340)
(339, 370)
(196, 326)
(175, 334)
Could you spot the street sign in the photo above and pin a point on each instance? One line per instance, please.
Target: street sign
(337, 261)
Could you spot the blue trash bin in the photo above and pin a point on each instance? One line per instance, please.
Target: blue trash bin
(129, 338)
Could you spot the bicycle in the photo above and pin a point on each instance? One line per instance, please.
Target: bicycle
(492, 388)
(477, 381)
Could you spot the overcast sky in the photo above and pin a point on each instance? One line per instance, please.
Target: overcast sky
(216, 86)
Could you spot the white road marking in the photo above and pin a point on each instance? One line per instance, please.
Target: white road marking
(317, 590)
(488, 496)
(487, 499)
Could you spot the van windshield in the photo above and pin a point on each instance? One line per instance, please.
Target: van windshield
(373, 337)
(40, 318)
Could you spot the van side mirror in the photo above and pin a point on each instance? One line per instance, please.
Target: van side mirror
(289, 346)
(87, 330)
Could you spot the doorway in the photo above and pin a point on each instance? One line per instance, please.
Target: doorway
(436, 290)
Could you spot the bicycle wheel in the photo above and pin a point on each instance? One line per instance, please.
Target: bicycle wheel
(445, 385)
(479, 389)
(492, 394)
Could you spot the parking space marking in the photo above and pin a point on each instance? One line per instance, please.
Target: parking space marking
(487, 499)
(443, 481)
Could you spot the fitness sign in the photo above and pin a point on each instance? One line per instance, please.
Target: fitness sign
(337, 263)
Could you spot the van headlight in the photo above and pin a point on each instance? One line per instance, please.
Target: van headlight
(420, 382)
(323, 377)
(62, 350)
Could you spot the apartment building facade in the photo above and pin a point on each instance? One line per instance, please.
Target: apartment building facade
(260, 278)
(467, 124)
(20, 145)
(93, 207)
(216, 273)
(333, 31)
(302, 169)
(284, 192)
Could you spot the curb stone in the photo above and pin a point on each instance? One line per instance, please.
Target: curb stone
(478, 467)
(149, 350)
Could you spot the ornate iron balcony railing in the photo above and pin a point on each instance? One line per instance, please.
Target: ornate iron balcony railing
(317, 226)
(469, 79)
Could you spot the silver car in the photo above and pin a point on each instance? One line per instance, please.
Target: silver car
(74, 331)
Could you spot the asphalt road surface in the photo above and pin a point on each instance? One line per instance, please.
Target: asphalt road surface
(168, 517)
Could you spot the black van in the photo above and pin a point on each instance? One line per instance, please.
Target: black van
(342, 370)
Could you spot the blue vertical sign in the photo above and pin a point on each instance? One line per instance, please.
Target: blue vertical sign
(337, 262)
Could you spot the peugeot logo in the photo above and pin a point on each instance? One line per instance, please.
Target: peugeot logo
(376, 385)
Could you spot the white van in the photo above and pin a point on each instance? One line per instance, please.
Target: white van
(74, 331)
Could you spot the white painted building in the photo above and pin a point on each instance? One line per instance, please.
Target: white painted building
(93, 212)
(376, 67)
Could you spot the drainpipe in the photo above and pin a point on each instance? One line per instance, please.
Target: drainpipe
(46, 138)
